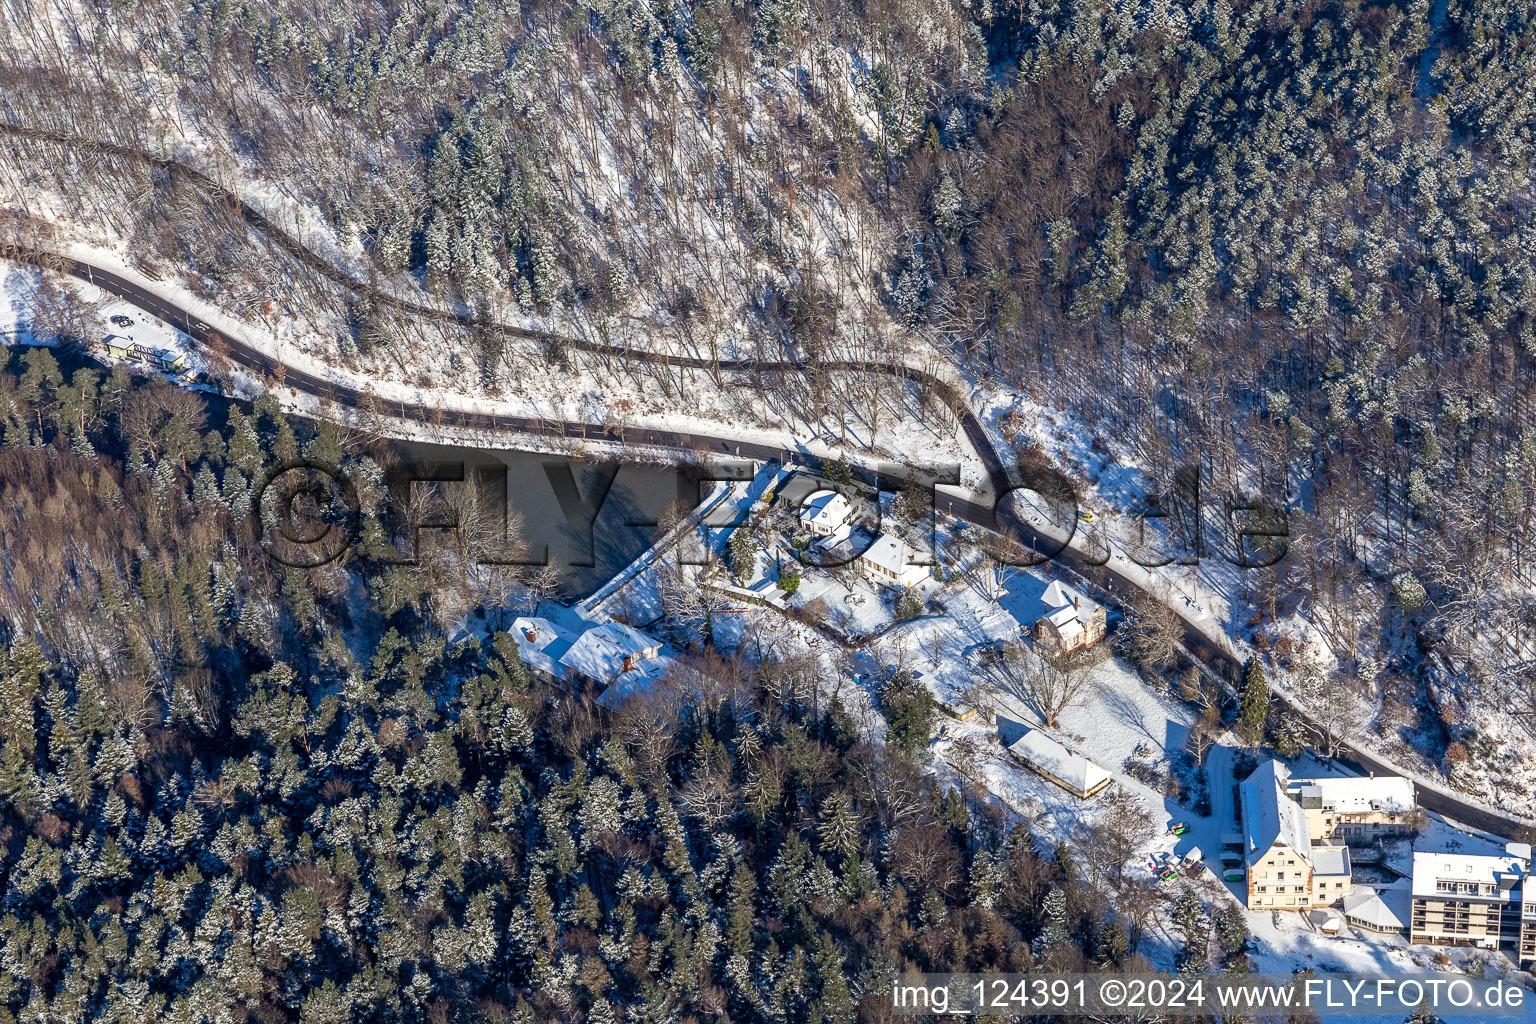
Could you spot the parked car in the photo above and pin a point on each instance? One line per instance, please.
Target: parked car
(122, 321)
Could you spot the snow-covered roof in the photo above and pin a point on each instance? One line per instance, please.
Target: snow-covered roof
(827, 509)
(1038, 749)
(887, 551)
(638, 679)
(1066, 607)
(1352, 795)
(542, 643)
(1270, 817)
(1330, 860)
(599, 653)
(1069, 629)
(1063, 615)
(1367, 907)
(1488, 877)
(596, 650)
(1326, 920)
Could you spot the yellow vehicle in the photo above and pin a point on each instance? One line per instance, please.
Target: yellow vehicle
(1085, 516)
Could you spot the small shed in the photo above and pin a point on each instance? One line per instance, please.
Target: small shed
(1326, 921)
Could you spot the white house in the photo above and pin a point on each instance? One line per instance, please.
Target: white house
(639, 679)
(120, 347)
(1474, 900)
(826, 513)
(583, 652)
(887, 560)
(1050, 760)
(541, 643)
(607, 651)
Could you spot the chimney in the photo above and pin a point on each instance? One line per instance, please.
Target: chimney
(1074, 602)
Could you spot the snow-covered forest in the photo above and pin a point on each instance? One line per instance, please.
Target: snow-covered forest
(1290, 243)
(234, 792)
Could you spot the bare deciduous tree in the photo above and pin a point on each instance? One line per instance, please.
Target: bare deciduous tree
(1052, 685)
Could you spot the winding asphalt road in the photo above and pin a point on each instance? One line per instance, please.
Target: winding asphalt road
(1218, 658)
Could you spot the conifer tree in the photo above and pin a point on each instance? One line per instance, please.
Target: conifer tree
(1253, 702)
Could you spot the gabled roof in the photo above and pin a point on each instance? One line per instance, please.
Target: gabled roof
(1270, 817)
(1066, 608)
(887, 551)
(1326, 919)
(593, 649)
(599, 652)
(1352, 795)
(542, 643)
(638, 679)
(1062, 616)
(1039, 750)
(825, 508)
(1067, 628)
